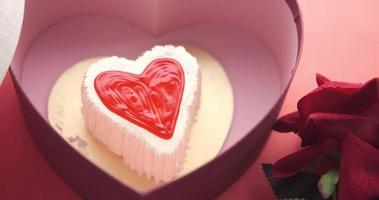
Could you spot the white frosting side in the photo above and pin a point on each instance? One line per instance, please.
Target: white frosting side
(143, 151)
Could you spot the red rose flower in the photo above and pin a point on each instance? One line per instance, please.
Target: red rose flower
(333, 109)
(332, 114)
(338, 124)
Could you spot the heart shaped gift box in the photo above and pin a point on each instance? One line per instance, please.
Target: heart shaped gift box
(258, 43)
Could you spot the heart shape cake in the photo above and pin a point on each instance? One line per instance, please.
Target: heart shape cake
(150, 100)
(143, 110)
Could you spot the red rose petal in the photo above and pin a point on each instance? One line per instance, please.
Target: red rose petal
(289, 123)
(329, 97)
(319, 156)
(321, 100)
(321, 80)
(322, 126)
(343, 87)
(366, 100)
(359, 171)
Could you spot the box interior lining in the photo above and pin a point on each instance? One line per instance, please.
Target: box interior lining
(256, 42)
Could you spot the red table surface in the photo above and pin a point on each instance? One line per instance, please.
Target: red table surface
(341, 42)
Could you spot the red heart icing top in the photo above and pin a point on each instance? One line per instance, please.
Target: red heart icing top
(150, 100)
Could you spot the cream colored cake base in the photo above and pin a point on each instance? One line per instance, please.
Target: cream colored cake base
(207, 135)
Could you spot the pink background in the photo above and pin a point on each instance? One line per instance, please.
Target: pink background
(341, 41)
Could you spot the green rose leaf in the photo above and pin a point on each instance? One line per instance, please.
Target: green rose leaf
(327, 183)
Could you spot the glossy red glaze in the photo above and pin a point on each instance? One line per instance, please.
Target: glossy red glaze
(150, 100)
